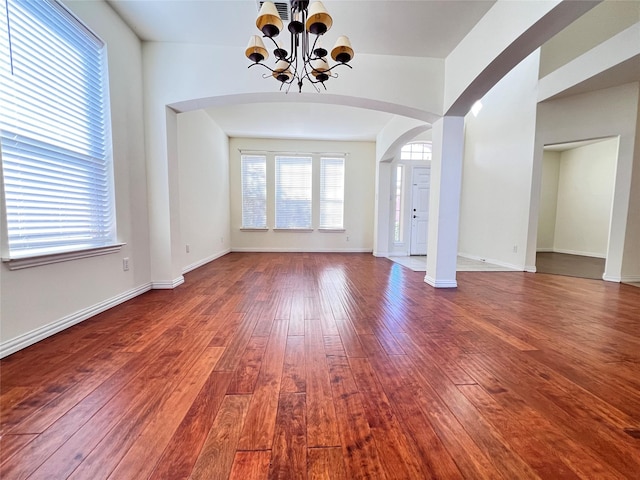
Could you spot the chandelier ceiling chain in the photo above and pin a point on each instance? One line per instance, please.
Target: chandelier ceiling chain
(305, 60)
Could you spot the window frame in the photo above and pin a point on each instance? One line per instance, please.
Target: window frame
(416, 151)
(57, 19)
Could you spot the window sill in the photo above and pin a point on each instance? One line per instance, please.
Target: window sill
(250, 229)
(38, 260)
(293, 230)
(332, 230)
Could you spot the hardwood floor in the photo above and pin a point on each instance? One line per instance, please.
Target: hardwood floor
(341, 366)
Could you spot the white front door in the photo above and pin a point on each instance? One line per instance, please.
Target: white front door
(421, 179)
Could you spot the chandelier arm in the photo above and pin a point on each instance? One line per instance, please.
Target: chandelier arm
(312, 82)
(305, 37)
(311, 53)
(262, 65)
(316, 81)
(293, 77)
(272, 40)
(292, 47)
(338, 65)
(307, 77)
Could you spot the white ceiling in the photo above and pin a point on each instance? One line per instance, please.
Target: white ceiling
(299, 121)
(420, 28)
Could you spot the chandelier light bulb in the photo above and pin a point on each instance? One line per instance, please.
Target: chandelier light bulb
(281, 72)
(269, 21)
(319, 20)
(342, 51)
(319, 50)
(320, 67)
(256, 51)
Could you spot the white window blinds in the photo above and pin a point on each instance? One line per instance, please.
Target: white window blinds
(54, 131)
(293, 192)
(254, 191)
(331, 193)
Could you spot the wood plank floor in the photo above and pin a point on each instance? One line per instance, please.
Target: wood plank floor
(334, 366)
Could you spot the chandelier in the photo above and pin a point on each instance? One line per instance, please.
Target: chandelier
(306, 59)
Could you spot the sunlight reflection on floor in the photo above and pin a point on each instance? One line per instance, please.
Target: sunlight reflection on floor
(419, 264)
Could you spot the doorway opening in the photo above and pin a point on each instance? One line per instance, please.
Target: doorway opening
(575, 207)
(415, 163)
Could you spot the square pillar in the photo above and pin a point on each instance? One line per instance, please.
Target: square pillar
(444, 202)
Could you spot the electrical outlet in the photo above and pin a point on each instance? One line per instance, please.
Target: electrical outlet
(347, 238)
(515, 249)
(125, 264)
(221, 239)
(188, 248)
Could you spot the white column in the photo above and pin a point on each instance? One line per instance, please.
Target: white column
(444, 201)
(163, 200)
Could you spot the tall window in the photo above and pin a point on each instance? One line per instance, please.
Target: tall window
(416, 151)
(254, 191)
(332, 193)
(293, 192)
(54, 131)
(397, 235)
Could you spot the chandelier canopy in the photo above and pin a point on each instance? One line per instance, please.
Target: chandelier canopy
(305, 59)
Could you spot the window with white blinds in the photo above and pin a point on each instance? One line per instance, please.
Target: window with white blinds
(293, 192)
(54, 131)
(331, 193)
(254, 191)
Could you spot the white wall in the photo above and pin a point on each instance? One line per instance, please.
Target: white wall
(360, 165)
(498, 160)
(594, 27)
(39, 301)
(631, 255)
(203, 155)
(585, 193)
(548, 201)
(498, 42)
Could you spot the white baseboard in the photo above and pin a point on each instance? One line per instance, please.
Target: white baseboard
(493, 261)
(576, 252)
(625, 279)
(440, 283)
(301, 250)
(545, 250)
(168, 285)
(22, 341)
(204, 261)
(630, 279)
(530, 268)
(380, 254)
